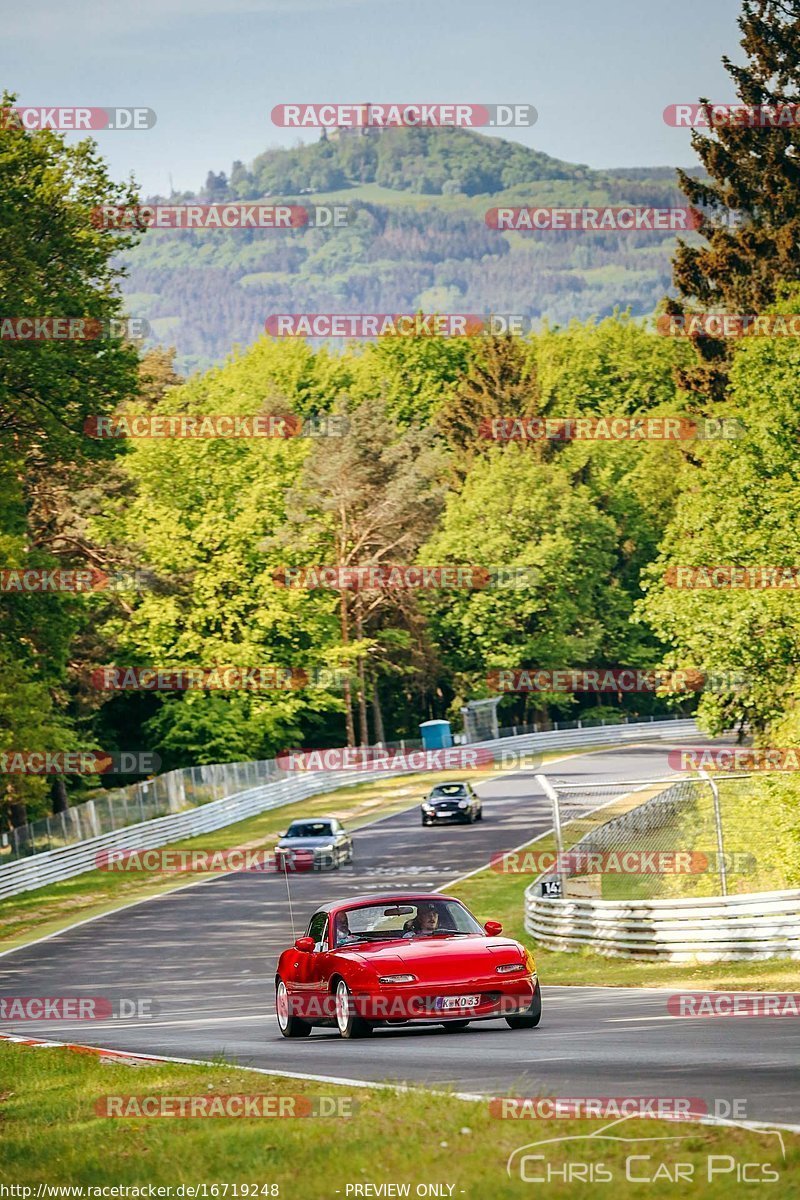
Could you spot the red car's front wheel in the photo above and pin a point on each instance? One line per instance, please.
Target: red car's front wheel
(531, 1016)
(289, 1025)
(349, 1023)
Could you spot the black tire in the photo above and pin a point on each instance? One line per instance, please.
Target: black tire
(289, 1025)
(532, 1015)
(479, 815)
(455, 1026)
(425, 821)
(348, 1022)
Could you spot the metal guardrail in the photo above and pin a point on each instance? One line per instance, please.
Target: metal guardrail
(702, 929)
(172, 792)
(52, 866)
(176, 790)
(715, 929)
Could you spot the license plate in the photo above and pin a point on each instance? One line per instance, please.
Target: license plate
(446, 1003)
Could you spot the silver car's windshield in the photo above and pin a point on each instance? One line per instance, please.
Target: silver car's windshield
(309, 829)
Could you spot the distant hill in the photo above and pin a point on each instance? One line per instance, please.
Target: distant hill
(418, 240)
(430, 162)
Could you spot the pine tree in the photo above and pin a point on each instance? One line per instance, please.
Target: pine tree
(501, 382)
(751, 200)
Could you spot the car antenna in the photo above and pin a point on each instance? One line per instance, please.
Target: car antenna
(284, 857)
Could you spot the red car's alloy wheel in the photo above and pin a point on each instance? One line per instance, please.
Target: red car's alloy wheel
(289, 1025)
(349, 1023)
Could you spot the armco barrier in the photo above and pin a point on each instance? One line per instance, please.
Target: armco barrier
(714, 929)
(51, 866)
(707, 929)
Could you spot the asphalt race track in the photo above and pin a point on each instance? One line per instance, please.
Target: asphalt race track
(206, 956)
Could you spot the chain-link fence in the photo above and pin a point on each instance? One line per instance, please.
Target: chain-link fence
(693, 837)
(482, 723)
(118, 808)
(121, 807)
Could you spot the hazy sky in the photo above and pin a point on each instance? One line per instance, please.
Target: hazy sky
(599, 74)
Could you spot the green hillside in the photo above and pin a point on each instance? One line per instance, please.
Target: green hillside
(417, 240)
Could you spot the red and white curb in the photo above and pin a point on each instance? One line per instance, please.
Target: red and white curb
(105, 1055)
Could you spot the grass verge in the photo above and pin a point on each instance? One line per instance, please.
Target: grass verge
(53, 1135)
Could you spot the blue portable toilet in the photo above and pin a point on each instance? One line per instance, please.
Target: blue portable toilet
(436, 735)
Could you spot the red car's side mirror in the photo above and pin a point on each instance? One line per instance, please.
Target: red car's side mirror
(305, 944)
(493, 928)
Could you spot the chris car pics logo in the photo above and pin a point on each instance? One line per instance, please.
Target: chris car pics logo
(652, 1159)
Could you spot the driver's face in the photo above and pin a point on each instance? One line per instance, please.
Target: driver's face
(428, 921)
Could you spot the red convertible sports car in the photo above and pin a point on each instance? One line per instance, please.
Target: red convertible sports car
(388, 960)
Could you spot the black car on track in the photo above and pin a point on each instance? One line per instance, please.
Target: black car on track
(454, 801)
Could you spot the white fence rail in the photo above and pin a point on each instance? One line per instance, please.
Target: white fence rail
(714, 929)
(52, 866)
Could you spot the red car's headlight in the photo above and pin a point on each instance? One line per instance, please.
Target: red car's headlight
(507, 968)
(396, 978)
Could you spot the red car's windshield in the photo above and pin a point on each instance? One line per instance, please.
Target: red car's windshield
(402, 922)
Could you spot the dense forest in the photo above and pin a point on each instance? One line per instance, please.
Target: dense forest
(391, 463)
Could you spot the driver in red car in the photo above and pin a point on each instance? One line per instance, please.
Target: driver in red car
(343, 933)
(424, 923)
